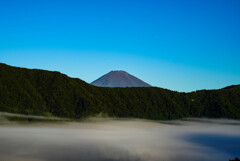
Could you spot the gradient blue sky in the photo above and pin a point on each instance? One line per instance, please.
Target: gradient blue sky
(182, 45)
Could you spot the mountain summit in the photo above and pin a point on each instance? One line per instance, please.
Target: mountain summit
(119, 78)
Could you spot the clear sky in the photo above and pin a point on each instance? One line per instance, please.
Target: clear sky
(182, 45)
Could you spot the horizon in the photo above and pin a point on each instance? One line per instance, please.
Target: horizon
(90, 83)
(178, 45)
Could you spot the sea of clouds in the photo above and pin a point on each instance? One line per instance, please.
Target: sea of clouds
(99, 139)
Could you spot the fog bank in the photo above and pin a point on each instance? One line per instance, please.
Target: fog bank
(122, 140)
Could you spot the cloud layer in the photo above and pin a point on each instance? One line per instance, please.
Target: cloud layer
(121, 140)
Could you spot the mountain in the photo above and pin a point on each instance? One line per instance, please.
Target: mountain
(47, 93)
(119, 78)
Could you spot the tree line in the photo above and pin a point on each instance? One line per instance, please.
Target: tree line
(40, 92)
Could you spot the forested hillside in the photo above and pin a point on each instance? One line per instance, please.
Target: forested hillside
(39, 92)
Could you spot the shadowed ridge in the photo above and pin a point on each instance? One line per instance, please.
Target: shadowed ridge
(47, 93)
(232, 86)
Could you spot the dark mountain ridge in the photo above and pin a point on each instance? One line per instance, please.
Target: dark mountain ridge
(40, 92)
(119, 78)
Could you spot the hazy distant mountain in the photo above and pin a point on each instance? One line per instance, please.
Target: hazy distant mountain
(119, 78)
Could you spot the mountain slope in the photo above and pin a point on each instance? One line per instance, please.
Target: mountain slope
(39, 92)
(119, 79)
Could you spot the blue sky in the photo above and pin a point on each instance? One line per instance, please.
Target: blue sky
(181, 45)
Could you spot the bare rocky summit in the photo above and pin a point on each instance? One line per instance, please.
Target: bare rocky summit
(119, 78)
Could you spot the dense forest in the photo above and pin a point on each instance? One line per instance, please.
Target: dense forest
(40, 92)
